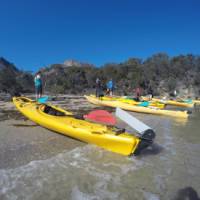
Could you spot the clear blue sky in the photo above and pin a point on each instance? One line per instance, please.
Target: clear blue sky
(34, 33)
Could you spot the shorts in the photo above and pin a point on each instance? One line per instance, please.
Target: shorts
(38, 89)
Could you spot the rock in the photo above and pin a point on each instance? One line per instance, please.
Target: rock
(70, 63)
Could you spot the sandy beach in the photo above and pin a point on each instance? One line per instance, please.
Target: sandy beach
(23, 141)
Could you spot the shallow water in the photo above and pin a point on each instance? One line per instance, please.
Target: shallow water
(51, 166)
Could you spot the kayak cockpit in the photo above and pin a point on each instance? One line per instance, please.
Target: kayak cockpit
(52, 111)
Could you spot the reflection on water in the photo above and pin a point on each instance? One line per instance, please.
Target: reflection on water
(181, 121)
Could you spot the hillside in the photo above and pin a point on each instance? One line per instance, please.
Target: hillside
(12, 80)
(162, 72)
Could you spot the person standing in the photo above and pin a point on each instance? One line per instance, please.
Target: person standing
(38, 85)
(150, 92)
(98, 87)
(138, 93)
(110, 87)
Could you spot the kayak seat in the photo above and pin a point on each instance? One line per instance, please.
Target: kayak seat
(144, 103)
(52, 111)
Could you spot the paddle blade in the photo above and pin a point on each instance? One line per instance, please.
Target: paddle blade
(43, 99)
(101, 116)
(131, 121)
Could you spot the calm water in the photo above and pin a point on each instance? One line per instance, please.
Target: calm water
(168, 170)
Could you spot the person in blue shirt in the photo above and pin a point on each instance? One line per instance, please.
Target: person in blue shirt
(38, 85)
(110, 87)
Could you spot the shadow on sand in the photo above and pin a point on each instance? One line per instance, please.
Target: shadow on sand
(25, 125)
(11, 114)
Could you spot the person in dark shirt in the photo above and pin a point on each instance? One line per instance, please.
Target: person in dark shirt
(98, 88)
(150, 92)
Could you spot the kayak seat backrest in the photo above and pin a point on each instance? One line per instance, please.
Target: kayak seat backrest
(25, 100)
(188, 101)
(52, 111)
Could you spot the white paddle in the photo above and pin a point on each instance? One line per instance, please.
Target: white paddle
(144, 131)
(131, 121)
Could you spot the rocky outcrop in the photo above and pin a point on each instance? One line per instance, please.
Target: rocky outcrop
(71, 63)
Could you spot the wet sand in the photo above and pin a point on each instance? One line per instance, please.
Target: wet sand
(36, 163)
(23, 141)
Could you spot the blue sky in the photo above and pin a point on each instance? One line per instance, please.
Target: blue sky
(35, 33)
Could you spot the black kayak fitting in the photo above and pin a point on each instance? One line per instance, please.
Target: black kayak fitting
(146, 140)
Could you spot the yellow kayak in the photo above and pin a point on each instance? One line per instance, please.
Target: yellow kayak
(196, 101)
(144, 104)
(133, 102)
(125, 106)
(172, 102)
(61, 121)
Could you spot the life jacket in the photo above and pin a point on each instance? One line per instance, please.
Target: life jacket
(37, 81)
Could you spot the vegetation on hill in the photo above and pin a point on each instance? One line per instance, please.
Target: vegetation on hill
(13, 80)
(162, 72)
